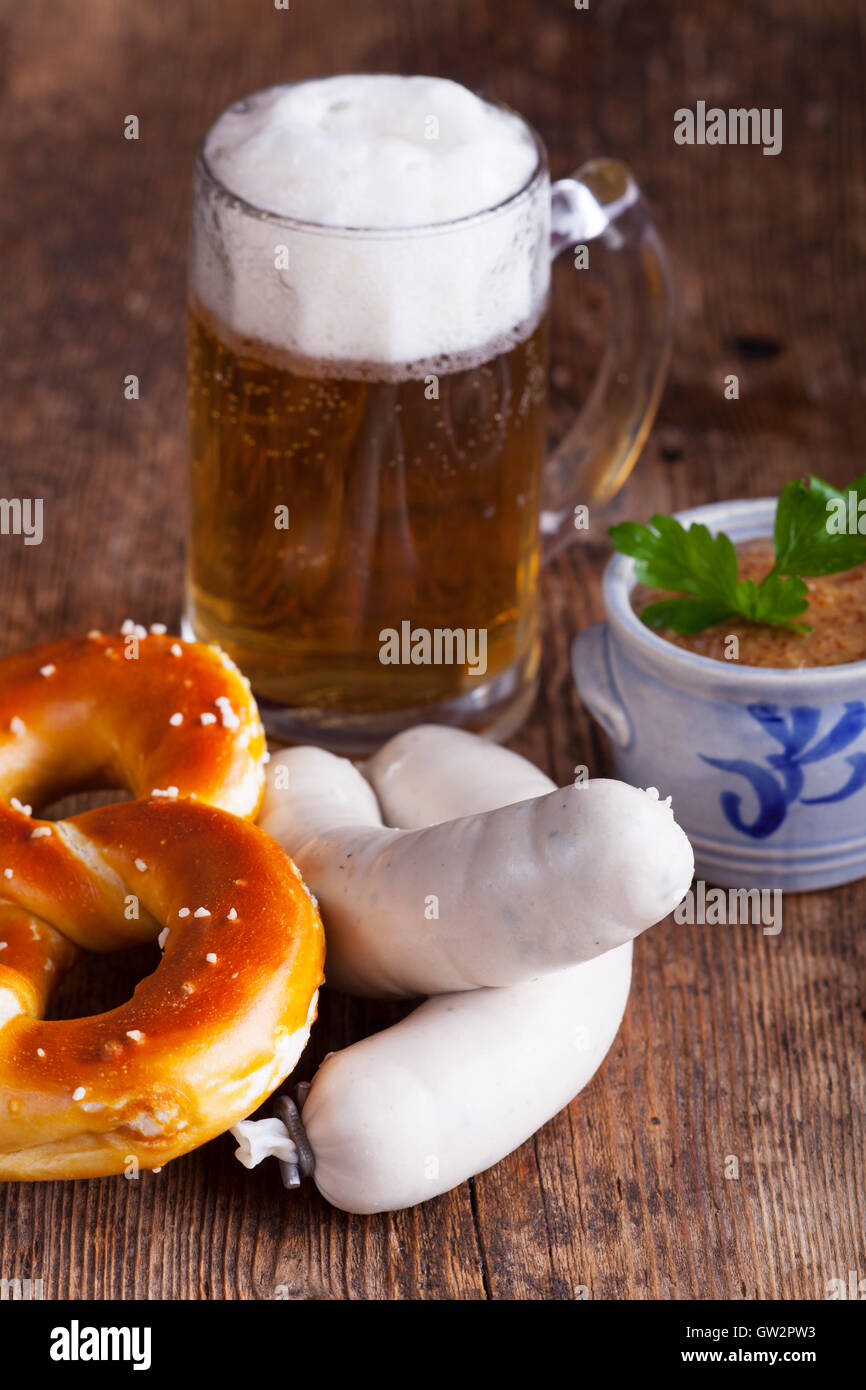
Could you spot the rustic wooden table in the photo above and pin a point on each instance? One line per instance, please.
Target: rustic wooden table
(734, 1043)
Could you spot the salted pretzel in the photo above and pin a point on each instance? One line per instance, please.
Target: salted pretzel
(224, 1017)
(204, 1039)
(134, 709)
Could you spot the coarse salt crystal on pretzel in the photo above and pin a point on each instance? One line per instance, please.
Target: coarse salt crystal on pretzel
(102, 710)
(204, 1039)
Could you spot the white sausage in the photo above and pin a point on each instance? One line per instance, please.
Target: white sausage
(417, 1109)
(411, 1112)
(519, 891)
(430, 774)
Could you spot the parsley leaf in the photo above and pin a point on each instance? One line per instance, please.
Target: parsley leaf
(686, 615)
(776, 600)
(701, 569)
(811, 534)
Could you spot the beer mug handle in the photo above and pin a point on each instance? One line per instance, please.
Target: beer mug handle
(594, 459)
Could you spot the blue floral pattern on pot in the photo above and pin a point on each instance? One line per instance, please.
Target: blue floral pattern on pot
(782, 781)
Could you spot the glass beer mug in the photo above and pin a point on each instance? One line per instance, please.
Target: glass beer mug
(370, 501)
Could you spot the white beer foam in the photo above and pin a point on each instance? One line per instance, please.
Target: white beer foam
(371, 151)
(389, 155)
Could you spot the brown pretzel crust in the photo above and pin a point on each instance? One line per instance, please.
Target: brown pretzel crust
(217, 1026)
(100, 716)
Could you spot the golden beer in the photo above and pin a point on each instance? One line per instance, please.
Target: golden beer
(332, 504)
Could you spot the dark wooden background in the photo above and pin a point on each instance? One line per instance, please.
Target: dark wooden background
(734, 1043)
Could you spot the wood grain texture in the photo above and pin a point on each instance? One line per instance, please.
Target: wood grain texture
(734, 1043)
